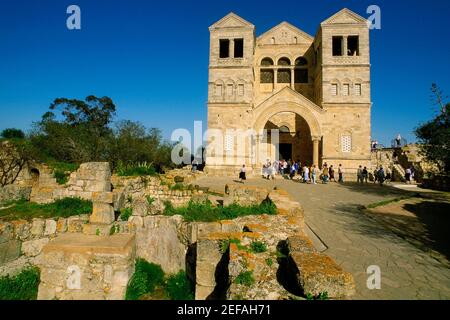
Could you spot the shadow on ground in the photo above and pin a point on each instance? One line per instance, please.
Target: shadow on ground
(376, 189)
(426, 228)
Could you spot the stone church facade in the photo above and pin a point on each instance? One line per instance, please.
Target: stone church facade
(315, 91)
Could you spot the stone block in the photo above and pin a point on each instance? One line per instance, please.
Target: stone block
(318, 273)
(75, 224)
(203, 292)
(9, 251)
(119, 200)
(37, 227)
(50, 227)
(61, 225)
(34, 247)
(102, 213)
(205, 228)
(99, 266)
(103, 197)
(300, 244)
(6, 232)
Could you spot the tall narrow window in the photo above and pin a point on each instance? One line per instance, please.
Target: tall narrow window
(346, 143)
(337, 46)
(240, 89)
(219, 90)
(238, 48)
(353, 46)
(224, 48)
(229, 142)
(346, 89)
(334, 89)
(229, 90)
(358, 90)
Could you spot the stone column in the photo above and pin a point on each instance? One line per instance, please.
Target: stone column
(345, 46)
(316, 141)
(293, 78)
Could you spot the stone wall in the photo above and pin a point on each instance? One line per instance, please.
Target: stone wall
(14, 192)
(21, 241)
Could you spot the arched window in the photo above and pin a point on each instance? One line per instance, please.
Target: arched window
(284, 62)
(299, 62)
(267, 62)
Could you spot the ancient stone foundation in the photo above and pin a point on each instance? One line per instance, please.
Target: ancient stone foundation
(82, 267)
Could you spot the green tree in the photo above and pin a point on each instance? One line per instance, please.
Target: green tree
(81, 135)
(434, 135)
(12, 133)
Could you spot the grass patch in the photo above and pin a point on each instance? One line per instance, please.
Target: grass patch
(23, 286)
(126, 213)
(269, 262)
(150, 200)
(146, 278)
(178, 287)
(135, 170)
(206, 212)
(386, 202)
(245, 278)
(258, 247)
(149, 281)
(62, 208)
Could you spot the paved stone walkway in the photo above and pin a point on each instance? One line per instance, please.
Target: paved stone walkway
(356, 241)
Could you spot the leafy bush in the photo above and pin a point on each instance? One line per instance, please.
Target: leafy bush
(12, 133)
(149, 281)
(63, 208)
(178, 287)
(245, 278)
(258, 247)
(126, 213)
(62, 170)
(135, 169)
(146, 278)
(23, 286)
(206, 212)
(320, 296)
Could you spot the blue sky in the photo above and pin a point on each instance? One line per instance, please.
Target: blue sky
(151, 57)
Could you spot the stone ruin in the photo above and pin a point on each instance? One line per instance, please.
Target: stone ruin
(92, 257)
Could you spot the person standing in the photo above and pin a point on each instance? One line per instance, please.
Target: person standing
(314, 174)
(305, 174)
(381, 176)
(375, 175)
(325, 174)
(332, 174)
(341, 174)
(365, 175)
(408, 175)
(359, 175)
(242, 174)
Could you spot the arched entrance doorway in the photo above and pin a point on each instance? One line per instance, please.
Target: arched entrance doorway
(35, 174)
(294, 138)
(300, 131)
